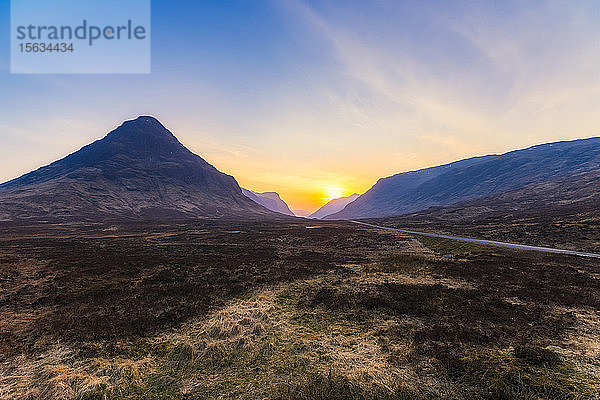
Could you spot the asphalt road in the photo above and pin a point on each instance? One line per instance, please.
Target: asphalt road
(490, 242)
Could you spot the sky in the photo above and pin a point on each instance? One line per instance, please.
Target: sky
(317, 99)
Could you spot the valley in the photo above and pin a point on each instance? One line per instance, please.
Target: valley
(134, 269)
(300, 200)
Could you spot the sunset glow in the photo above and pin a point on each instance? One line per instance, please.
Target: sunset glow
(317, 100)
(334, 192)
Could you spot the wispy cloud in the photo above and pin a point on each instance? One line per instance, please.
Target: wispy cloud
(510, 73)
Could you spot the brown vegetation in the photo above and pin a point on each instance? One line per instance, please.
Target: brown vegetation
(262, 310)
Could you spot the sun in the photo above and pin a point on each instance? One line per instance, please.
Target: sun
(333, 192)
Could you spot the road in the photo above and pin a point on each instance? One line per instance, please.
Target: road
(490, 242)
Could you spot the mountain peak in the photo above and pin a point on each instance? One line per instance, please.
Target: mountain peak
(145, 121)
(144, 137)
(139, 169)
(144, 125)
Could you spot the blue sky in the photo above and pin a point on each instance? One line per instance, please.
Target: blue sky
(304, 97)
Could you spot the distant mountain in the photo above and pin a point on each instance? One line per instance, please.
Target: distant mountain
(270, 200)
(139, 170)
(474, 178)
(334, 206)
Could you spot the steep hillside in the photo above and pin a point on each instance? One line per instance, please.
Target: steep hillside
(139, 170)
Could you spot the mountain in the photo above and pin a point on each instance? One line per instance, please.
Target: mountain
(578, 193)
(474, 178)
(562, 213)
(269, 200)
(139, 170)
(333, 206)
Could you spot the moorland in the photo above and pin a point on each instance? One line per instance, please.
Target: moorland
(293, 309)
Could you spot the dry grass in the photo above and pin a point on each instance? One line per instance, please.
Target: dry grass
(270, 345)
(258, 348)
(60, 374)
(381, 318)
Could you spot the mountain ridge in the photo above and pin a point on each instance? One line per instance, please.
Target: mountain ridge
(269, 200)
(138, 170)
(333, 206)
(472, 178)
